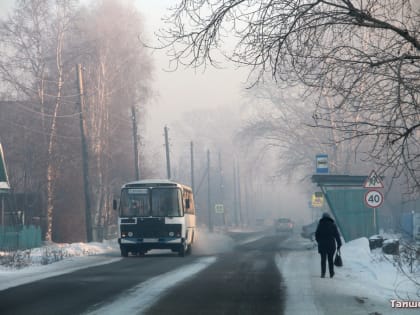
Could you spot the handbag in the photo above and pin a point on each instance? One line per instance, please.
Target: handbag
(338, 261)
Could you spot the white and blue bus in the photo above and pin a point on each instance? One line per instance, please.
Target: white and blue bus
(155, 214)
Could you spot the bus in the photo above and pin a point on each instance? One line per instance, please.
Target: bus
(155, 214)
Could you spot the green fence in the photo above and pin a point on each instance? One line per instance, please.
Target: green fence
(353, 217)
(12, 238)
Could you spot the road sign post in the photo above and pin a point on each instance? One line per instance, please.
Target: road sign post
(373, 181)
(321, 163)
(375, 225)
(373, 197)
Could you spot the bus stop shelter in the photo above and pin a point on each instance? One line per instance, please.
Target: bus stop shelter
(344, 195)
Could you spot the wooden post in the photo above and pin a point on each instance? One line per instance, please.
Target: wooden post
(85, 156)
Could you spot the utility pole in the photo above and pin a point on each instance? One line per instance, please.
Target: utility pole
(135, 142)
(247, 202)
(221, 193)
(192, 166)
(235, 201)
(238, 178)
(210, 212)
(168, 162)
(85, 157)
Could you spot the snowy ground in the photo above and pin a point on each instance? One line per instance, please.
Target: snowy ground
(366, 283)
(68, 257)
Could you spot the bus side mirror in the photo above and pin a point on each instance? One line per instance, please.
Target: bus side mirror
(187, 203)
(114, 204)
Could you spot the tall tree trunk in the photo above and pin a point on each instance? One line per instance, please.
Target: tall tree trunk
(51, 169)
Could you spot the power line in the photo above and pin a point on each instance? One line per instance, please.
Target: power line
(40, 113)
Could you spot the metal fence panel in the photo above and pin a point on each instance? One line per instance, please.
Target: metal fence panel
(354, 219)
(13, 238)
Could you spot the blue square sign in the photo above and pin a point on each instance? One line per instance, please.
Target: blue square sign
(322, 163)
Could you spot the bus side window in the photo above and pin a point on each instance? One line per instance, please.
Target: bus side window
(189, 202)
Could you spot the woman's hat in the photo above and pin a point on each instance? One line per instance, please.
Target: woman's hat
(326, 215)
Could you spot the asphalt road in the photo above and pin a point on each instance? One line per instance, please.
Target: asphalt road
(243, 281)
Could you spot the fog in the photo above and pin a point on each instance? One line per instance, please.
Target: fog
(182, 100)
(184, 89)
(180, 96)
(211, 243)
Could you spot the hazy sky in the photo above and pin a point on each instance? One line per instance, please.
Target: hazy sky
(185, 90)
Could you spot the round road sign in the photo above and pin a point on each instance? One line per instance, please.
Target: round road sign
(374, 198)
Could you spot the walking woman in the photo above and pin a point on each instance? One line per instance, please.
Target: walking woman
(327, 236)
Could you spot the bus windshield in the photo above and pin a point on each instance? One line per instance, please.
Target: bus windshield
(156, 202)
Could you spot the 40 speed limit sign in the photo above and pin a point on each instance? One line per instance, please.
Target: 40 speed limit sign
(374, 198)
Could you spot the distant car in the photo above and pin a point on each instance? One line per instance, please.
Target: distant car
(308, 231)
(284, 225)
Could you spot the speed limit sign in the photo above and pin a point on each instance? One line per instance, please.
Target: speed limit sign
(374, 198)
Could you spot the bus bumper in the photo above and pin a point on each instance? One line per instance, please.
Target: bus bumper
(142, 245)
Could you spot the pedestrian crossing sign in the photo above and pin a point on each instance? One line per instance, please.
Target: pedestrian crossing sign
(373, 181)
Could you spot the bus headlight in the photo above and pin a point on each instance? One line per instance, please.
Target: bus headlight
(171, 234)
(130, 234)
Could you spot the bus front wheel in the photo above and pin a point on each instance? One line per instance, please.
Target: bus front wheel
(182, 250)
(189, 249)
(124, 252)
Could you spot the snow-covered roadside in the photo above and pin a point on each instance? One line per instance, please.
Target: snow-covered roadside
(77, 256)
(72, 257)
(364, 285)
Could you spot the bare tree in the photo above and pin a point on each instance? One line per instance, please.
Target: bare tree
(117, 72)
(33, 66)
(363, 55)
(23, 75)
(61, 26)
(213, 130)
(279, 119)
(42, 41)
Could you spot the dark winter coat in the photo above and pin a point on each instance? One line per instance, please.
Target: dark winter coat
(327, 235)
